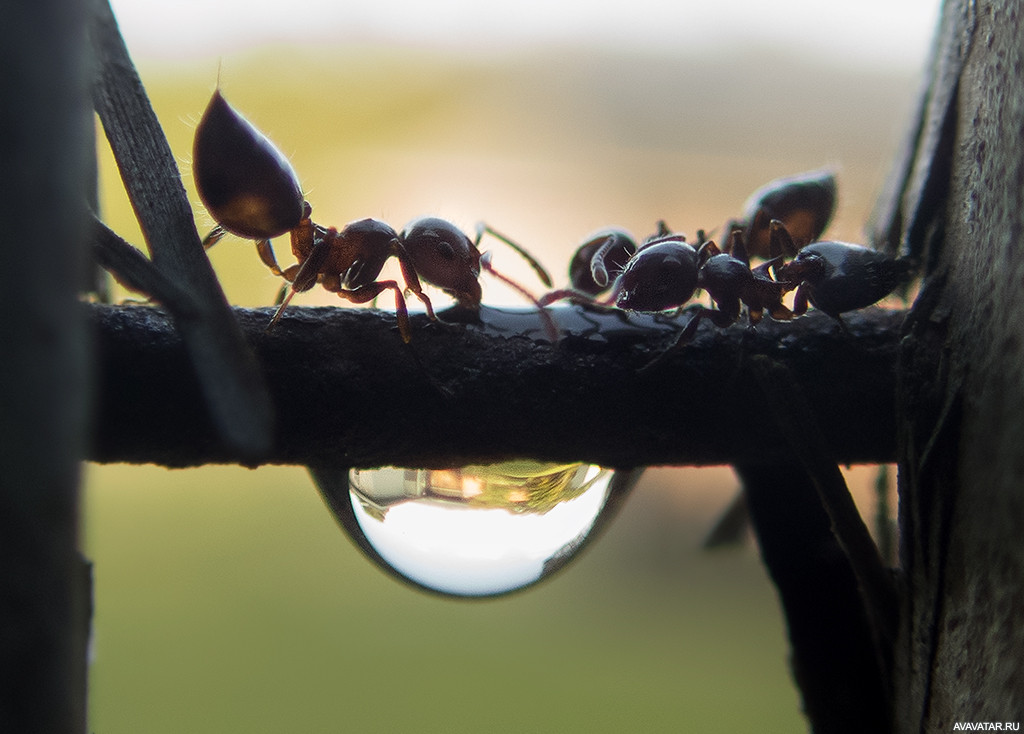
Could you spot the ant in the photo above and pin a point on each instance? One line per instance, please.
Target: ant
(804, 203)
(665, 272)
(732, 283)
(252, 191)
(837, 277)
(784, 218)
(789, 215)
(588, 272)
(444, 256)
(659, 271)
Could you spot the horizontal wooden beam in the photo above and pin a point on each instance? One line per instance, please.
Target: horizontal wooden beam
(348, 392)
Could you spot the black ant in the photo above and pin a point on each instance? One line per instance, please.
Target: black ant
(783, 218)
(252, 191)
(837, 277)
(665, 272)
(732, 283)
(661, 270)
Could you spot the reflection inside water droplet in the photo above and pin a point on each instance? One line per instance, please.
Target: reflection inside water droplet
(478, 530)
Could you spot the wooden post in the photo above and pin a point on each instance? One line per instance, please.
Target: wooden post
(45, 147)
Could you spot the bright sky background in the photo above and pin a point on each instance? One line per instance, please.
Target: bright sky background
(858, 31)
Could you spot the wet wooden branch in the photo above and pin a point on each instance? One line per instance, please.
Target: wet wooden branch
(348, 392)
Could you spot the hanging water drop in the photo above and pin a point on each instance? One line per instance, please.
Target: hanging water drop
(477, 530)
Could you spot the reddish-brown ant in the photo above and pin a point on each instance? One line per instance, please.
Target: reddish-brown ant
(444, 256)
(251, 190)
(804, 203)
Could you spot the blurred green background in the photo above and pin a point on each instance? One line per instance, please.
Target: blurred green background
(227, 599)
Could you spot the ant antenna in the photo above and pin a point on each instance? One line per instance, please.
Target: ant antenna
(539, 269)
(598, 270)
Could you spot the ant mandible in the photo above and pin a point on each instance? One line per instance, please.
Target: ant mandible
(252, 191)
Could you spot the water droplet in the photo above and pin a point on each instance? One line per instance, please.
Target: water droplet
(477, 530)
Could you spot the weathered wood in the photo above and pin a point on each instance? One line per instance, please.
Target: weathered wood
(348, 392)
(45, 132)
(961, 403)
(232, 386)
(842, 680)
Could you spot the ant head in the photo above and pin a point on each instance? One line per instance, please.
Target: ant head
(661, 276)
(444, 256)
(245, 182)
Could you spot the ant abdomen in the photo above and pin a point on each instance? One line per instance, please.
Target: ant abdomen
(246, 184)
(599, 260)
(804, 203)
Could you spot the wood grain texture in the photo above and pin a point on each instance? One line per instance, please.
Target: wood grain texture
(232, 386)
(962, 406)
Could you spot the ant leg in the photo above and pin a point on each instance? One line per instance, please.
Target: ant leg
(366, 293)
(569, 294)
(412, 280)
(800, 301)
(690, 330)
(767, 270)
(215, 236)
(719, 318)
(539, 269)
(779, 312)
(683, 338)
(756, 233)
(738, 247)
(549, 323)
(780, 242)
(266, 252)
(707, 251)
(302, 277)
